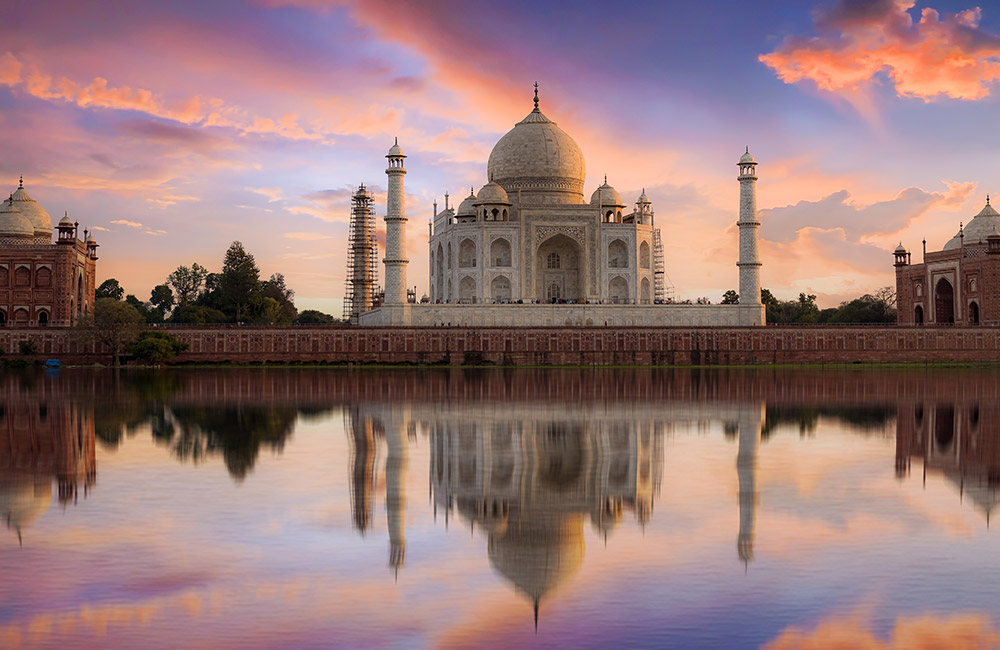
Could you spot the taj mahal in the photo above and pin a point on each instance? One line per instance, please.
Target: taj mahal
(529, 250)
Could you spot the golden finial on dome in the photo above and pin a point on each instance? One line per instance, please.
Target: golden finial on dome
(20, 182)
(536, 96)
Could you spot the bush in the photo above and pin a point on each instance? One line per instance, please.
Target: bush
(198, 314)
(27, 348)
(157, 347)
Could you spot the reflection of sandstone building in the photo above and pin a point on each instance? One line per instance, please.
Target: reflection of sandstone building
(42, 441)
(529, 236)
(959, 440)
(41, 282)
(957, 284)
(530, 483)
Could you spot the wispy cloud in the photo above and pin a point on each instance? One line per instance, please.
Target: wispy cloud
(126, 222)
(272, 193)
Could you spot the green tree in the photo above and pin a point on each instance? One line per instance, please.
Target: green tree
(157, 347)
(186, 283)
(162, 298)
(112, 323)
(314, 317)
(146, 311)
(110, 289)
(276, 290)
(198, 314)
(730, 298)
(239, 283)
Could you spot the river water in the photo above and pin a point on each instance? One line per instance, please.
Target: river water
(443, 508)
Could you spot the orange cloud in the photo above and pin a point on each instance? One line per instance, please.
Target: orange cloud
(949, 55)
(927, 632)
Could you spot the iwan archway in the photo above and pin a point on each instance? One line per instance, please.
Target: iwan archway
(559, 270)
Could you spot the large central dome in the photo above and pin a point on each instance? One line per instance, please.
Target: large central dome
(539, 159)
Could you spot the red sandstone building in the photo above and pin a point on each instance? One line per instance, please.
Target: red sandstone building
(959, 284)
(41, 282)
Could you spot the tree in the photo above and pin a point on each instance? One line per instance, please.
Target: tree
(162, 298)
(146, 311)
(767, 298)
(157, 347)
(730, 298)
(275, 289)
(198, 314)
(110, 289)
(239, 283)
(887, 296)
(187, 283)
(314, 317)
(112, 323)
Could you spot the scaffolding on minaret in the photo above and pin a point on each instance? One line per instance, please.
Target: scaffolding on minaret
(362, 254)
(663, 289)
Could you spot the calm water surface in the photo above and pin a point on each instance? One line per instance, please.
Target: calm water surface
(532, 508)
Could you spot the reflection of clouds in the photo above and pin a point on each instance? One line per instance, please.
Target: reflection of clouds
(971, 630)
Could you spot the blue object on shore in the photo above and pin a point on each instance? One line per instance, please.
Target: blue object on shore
(52, 363)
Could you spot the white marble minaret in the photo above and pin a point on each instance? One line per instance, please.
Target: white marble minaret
(749, 262)
(395, 230)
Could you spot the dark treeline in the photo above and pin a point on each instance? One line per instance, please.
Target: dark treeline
(236, 294)
(879, 307)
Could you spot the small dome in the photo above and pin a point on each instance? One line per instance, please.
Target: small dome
(13, 223)
(607, 196)
(492, 193)
(977, 230)
(395, 151)
(467, 207)
(66, 222)
(642, 197)
(36, 214)
(747, 158)
(900, 249)
(91, 240)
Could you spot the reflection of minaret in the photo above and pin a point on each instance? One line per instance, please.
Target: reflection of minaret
(362, 469)
(396, 463)
(746, 468)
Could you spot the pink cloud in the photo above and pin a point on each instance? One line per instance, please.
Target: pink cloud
(928, 631)
(939, 55)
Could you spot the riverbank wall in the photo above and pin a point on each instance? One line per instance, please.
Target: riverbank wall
(539, 346)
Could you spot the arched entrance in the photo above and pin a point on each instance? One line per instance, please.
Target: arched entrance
(973, 313)
(618, 291)
(944, 299)
(918, 315)
(559, 270)
(500, 289)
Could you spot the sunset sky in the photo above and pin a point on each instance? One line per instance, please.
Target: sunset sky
(173, 129)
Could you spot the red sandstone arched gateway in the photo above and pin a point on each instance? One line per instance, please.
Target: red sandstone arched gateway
(944, 299)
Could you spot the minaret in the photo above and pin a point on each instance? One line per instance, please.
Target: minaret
(362, 469)
(396, 463)
(749, 262)
(395, 230)
(750, 419)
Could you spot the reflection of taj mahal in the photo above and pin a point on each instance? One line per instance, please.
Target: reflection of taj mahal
(528, 249)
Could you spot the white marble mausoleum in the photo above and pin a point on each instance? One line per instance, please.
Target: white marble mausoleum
(528, 249)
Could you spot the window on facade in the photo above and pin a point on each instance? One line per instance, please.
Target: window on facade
(554, 291)
(43, 318)
(552, 262)
(972, 284)
(43, 278)
(4, 277)
(22, 277)
(919, 291)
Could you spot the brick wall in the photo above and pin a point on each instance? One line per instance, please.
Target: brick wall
(551, 346)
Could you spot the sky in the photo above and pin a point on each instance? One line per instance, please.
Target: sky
(173, 129)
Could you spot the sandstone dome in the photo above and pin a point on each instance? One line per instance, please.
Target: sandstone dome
(976, 231)
(539, 159)
(13, 223)
(36, 214)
